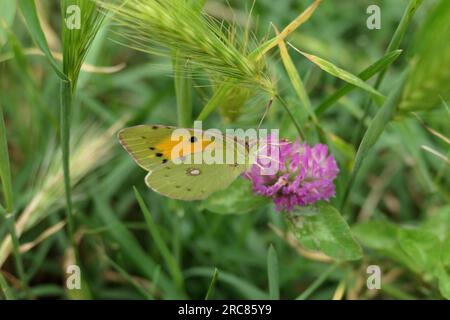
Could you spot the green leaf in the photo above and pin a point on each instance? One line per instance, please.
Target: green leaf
(382, 237)
(366, 74)
(419, 249)
(237, 198)
(444, 282)
(7, 14)
(342, 74)
(445, 252)
(272, 274)
(324, 229)
(28, 9)
(443, 272)
(423, 248)
(439, 222)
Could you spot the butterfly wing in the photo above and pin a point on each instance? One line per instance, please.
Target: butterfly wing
(144, 143)
(151, 147)
(192, 181)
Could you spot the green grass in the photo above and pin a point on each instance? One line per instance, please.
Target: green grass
(331, 80)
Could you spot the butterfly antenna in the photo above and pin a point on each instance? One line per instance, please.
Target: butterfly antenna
(269, 104)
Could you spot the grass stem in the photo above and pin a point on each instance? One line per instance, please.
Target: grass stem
(291, 115)
(8, 212)
(65, 111)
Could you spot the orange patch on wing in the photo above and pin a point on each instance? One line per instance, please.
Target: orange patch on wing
(183, 147)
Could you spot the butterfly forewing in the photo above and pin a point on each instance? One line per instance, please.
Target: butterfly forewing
(142, 143)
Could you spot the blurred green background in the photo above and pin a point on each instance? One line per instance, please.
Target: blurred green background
(398, 208)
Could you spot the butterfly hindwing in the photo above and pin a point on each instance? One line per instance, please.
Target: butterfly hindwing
(192, 181)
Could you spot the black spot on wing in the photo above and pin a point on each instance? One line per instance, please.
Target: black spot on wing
(159, 154)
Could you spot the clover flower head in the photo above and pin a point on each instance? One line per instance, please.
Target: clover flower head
(305, 175)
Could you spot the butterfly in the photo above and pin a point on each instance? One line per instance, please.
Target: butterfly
(172, 158)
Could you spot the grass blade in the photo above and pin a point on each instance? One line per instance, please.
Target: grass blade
(394, 44)
(130, 279)
(341, 74)
(400, 32)
(159, 241)
(7, 292)
(248, 290)
(366, 74)
(316, 284)
(28, 8)
(7, 14)
(131, 248)
(9, 215)
(5, 170)
(297, 22)
(212, 284)
(376, 128)
(272, 274)
(296, 80)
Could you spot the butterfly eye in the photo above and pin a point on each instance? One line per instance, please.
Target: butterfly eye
(193, 139)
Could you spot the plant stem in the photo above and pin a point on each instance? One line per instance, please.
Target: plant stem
(66, 104)
(182, 90)
(8, 214)
(294, 121)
